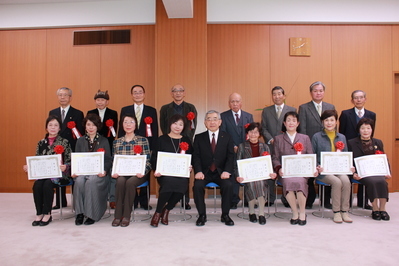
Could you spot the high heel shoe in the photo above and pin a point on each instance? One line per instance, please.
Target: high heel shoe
(43, 223)
(155, 219)
(164, 216)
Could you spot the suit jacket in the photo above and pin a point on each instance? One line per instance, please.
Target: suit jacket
(141, 130)
(223, 156)
(237, 132)
(72, 115)
(309, 118)
(347, 122)
(109, 114)
(283, 146)
(167, 111)
(271, 126)
(356, 147)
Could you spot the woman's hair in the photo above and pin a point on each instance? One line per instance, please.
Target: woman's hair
(51, 118)
(327, 113)
(366, 121)
(132, 116)
(175, 118)
(93, 118)
(292, 113)
(252, 126)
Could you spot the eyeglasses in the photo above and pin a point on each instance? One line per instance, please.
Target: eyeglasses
(177, 91)
(138, 93)
(129, 122)
(358, 97)
(63, 95)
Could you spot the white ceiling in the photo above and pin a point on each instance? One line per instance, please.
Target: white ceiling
(13, 2)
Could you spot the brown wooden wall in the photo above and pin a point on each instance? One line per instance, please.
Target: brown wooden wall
(212, 61)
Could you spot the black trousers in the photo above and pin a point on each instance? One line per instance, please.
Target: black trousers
(43, 195)
(226, 190)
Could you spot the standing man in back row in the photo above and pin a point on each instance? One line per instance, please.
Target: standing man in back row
(272, 122)
(233, 122)
(187, 110)
(310, 123)
(347, 125)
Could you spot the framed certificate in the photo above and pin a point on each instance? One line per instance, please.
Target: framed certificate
(45, 166)
(303, 165)
(372, 165)
(255, 169)
(129, 165)
(336, 163)
(173, 164)
(87, 163)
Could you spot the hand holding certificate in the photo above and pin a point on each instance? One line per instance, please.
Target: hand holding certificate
(372, 165)
(255, 169)
(43, 167)
(173, 164)
(87, 163)
(129, 165)
(300, 165)
(336, 163)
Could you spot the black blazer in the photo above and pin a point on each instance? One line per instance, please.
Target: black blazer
(347, 122)
(72, 115)
(109, 114)
(223, 156)
(141, 131)
(237, 132)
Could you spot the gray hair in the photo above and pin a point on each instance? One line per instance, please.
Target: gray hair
(315, 84)
(212, 112)
(356, 91)
(65, 88)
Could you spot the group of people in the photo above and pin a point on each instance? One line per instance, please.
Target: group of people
(230, 136)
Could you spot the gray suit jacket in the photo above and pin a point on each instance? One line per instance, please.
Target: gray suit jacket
(271, 126)
(309, 119)
(237, 132)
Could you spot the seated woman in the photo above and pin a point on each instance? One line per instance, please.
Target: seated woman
(326, 140)
(294, 188)
(43, 189)
(171, 188)
(376, 186)
(90, 192)
(256, 190)
(130, 144)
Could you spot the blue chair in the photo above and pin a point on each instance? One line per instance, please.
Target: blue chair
(147, 216)
(359, 212)
(321, 212)
(60, 195)
(281, 214)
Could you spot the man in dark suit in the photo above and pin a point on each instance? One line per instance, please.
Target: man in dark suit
(179, 106)
(67, 114)
(347, 125)
(233, 122)
(272, 122)
(310, 123)
(142, 113)
(108, 117)
(213, 161)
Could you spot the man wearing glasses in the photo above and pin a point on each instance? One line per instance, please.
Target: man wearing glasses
(187, 110)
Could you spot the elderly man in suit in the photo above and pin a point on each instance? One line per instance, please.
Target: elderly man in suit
(347, 126)
(142, 113)
(67, 114)
(233, 122)
(272, 122)
(188, 110)
(213, 161)
(310, 123)
(108, 117)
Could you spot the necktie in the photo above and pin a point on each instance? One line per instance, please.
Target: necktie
(319, 109)
(278, 111)
(63, 115)
(138, 115)
(213, 146)
(360, 114)
(237, 119)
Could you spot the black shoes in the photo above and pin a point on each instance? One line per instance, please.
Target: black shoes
(376, 215)
(89, 221)
(187, 206)
(56, 207)
(328, 206)
(384, 216)
(233, 206)
(262, 220)
(302, 222)
(225, 218)
(42, 223)
(79, 219)
(294, 221)
(309, 207)
(252, 218)
(201, 220)
(36, 223)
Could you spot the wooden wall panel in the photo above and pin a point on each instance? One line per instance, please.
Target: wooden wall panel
(296, 73)
(22, 83)
(239, 61)
(180, 49)
(395, 47)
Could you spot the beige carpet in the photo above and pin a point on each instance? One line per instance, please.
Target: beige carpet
(320, 242)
